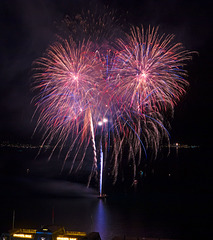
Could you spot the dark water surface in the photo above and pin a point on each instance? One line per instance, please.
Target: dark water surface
(171, 200)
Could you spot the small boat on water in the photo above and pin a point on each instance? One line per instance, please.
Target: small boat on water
(101, 196)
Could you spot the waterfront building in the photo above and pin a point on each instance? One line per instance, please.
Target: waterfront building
(48, 233)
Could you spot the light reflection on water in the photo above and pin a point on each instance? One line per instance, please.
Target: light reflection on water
(158, 213)
(77, 214)
(101, 219)
(78, 209)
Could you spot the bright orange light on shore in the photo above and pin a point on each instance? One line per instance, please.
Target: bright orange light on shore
(19, 235)
(76, 233)
(66, 238)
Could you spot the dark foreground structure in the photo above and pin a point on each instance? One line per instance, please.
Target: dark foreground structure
(48, 233)
(59, 233)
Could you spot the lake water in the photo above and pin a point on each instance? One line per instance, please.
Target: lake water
(173, 201)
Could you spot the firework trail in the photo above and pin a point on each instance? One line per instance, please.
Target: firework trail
(120, 94)
(94, 149)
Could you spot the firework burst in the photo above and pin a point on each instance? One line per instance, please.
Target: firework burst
(150, 69)
(120, 95)
(67, 78)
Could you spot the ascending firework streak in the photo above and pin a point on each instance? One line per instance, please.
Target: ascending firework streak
(94, 148)
(131, 88)
(101, 170)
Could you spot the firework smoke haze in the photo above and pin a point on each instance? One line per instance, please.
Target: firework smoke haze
(98, 25)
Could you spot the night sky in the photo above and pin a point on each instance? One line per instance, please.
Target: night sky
(28, 27)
